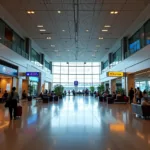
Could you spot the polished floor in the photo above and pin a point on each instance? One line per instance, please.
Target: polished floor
(75, 123)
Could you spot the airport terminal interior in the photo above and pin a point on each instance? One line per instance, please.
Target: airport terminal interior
(74, 75)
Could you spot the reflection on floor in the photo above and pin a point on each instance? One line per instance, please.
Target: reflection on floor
(75, 123)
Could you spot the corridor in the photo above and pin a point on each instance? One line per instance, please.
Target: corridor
(74, 123)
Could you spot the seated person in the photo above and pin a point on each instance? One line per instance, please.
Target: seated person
(24, 95)
(41, 95)
(145, 102)
(118, 94)
(114, 95)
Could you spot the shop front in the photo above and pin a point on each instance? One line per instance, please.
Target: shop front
(8, 77)
(142, 80)
(33, 80)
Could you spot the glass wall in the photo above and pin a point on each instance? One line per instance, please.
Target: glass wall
(117, 58)
(140, 39)
(87, 74)
(147, 32)
(12, 40)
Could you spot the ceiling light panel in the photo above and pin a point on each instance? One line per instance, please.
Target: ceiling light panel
(42, 30)
(40, 26)
(104, 30)
(107, 26)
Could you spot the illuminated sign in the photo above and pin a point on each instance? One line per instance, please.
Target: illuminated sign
(32, 74)
(8, 71)
(115, 74)
(75, 83)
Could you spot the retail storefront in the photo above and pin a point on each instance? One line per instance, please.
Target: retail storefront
(33, 79)
(142, 80)
(8, 77)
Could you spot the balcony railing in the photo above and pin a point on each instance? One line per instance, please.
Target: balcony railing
(13, 46)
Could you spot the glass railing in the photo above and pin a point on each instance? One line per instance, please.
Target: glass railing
(13, 46)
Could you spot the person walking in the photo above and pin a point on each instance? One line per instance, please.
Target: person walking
(13, 98)
(131, 95)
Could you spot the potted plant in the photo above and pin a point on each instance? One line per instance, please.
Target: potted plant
(30, 92)
(92, 88)
(120, 91)
(58, 89)
(100, 89)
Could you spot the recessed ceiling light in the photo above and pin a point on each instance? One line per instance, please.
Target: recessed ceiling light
(48, 38)
(59, 12)
(68, 50)
(114, 12)
(104, 30)
(31, 12)
(42, 30)
(55, 50)
(87, 30)
(97, 45)
(107, 26)
(40, 26)
(52, 45)
(63, 30)
(100, 38)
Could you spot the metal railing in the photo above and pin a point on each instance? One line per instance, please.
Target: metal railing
(13, 46)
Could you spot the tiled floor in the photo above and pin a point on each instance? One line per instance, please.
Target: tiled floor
(80, 123)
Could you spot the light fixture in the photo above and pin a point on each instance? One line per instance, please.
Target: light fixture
(55, 50)
(48, 38)
(87, 30)
(40, 26)
(63, 30)
(31, 12)
(107, 26)
(42, 30)
(68, 50)
(52, 45)
(100, 38)
(114, 12)
(0, 38)
(59, 12)
(104, 30)
(97, 45)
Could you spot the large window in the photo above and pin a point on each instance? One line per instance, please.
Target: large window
(87, 74)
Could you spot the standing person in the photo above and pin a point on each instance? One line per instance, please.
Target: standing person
(138, 95)
(131, 95)
(13, 98)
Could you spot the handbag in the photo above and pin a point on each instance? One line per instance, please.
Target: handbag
(7, 104)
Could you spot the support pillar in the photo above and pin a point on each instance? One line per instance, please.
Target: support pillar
(112, 86)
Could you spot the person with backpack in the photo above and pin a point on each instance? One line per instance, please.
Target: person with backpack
(12, 101)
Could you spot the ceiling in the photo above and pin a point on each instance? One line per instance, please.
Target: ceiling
(75, 44)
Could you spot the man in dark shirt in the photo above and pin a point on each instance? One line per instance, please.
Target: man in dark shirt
(131, 95)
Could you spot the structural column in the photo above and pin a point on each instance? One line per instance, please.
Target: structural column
(130, 82)
(112, 85)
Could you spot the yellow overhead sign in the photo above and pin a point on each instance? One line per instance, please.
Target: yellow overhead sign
(115, 74)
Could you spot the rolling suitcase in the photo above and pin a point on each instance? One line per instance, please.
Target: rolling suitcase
(19, 111)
